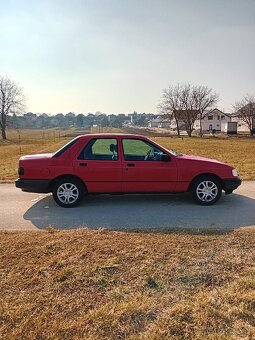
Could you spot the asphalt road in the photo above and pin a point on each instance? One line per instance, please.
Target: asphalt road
(28, 211)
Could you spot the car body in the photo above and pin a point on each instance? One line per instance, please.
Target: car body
(123, 163)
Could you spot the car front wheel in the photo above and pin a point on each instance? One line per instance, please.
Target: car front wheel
(68, 192)
(206, 190)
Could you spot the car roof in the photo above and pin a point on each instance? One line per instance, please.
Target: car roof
(114, 135)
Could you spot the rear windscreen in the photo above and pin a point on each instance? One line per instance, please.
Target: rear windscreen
(65, 147)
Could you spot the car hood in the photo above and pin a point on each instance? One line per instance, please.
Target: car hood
(200, 159)
(36, 156)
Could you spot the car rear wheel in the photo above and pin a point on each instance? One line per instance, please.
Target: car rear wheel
(68, 192)
(206, 190)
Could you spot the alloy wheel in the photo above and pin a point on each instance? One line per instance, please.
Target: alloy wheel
(207, 191)
(67, 193)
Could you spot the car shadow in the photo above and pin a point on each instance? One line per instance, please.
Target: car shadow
(163, 213)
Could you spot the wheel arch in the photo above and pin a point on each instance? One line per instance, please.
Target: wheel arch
(203, 175)
(67, 176)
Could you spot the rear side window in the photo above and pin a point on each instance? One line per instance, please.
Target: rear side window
(100, 149)
(65, 147)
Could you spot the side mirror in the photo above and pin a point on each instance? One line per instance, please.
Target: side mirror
(165, 158)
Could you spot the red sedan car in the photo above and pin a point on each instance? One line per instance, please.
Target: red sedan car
(123, 163)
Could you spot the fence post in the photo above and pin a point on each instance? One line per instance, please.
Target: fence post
(19, 142)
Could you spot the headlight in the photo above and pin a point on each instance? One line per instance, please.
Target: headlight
(235, 173)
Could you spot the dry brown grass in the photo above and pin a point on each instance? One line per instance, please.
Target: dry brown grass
(236, 151)
(31, 141)
(87, 284)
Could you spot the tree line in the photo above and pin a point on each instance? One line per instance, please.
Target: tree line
(31, 120)
(183, 103)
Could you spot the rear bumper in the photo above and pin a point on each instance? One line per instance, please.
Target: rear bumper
(33, 185)
(230, 184)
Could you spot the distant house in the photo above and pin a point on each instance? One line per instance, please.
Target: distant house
(160, 122)
(182, 116)
(165, 124)
(241, 126)
(213, 120)
(154, 123)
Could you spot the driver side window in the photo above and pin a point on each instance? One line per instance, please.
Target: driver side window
(138, 150)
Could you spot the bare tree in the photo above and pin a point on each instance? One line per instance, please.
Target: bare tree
(12, 100)
(185, 103)
(189, 112)
(171, 103)
(246, 111)
(204, 98)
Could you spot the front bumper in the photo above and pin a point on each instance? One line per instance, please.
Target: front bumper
(230, 184)
(33, 185)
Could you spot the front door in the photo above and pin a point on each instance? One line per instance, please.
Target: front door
(99, 165)
(143, 169)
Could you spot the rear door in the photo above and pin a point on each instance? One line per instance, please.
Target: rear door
(143, 169)
(99, 165)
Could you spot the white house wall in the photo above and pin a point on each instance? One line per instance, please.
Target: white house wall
(241, 127)
(214, 123)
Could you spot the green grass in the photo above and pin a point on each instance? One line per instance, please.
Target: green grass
(86, 284)
(102, 146)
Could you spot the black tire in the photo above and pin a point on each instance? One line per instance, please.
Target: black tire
(206, 190)
(68, 192)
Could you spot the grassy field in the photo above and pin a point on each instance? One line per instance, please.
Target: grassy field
(88, 284)
(28, 142)
(236, 151)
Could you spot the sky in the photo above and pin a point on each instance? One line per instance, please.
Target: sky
(116, 56)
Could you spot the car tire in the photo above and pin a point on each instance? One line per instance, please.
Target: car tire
(68, 192)
(206, 190)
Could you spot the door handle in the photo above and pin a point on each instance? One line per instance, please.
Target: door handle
(130, 164)
(83, 164)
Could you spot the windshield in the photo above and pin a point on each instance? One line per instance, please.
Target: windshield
(167, 150)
